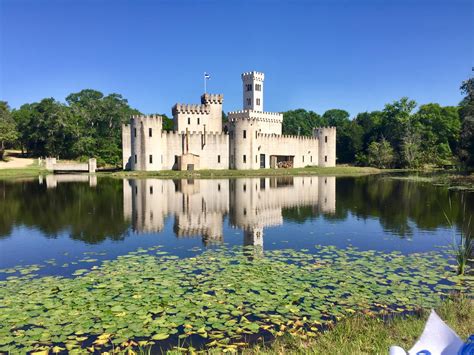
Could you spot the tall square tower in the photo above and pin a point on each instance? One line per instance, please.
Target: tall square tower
(252, 90)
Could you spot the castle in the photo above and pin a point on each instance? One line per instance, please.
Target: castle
(203, 207)
(251, 139)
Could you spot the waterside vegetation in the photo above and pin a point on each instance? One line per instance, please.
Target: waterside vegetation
(401, 135)
(225, 298)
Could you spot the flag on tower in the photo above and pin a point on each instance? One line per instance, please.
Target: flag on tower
(207, 76)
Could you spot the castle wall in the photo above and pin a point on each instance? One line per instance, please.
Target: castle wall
(193, 121)
(304, 150)
(212, 149)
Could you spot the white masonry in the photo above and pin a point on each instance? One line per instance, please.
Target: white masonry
(251, 139)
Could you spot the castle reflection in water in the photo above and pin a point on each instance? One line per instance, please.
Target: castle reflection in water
(200, 206)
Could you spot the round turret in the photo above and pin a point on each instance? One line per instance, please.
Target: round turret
(327, 146)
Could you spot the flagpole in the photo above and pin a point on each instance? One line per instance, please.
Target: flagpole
(205, 88)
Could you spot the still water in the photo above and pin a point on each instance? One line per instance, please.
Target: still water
(67, 222)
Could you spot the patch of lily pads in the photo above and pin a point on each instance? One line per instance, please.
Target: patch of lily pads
(220, 298)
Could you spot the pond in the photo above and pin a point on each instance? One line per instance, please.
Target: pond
(91, 262)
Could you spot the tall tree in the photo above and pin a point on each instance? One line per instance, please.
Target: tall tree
(301, 122)
(466, 151)
(8, 132)
(381, 154)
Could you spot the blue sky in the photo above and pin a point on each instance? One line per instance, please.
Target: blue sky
(318, 55)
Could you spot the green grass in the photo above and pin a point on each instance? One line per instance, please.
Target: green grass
(370, 335)
(28, 172)
(165, 174)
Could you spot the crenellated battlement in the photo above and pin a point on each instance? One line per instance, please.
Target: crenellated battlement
(208, 99)
(287, 136)
(274, 117)
(191, 108)
(253, 75)
(251, 139)
(144, 119)
(193, 134)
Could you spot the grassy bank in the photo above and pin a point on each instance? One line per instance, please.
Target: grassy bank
(209, 174)
(28, 172)
(370, 335)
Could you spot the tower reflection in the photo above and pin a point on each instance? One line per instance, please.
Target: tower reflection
(199, 207)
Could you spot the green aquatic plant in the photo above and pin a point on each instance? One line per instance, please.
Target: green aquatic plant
(221, 298)
(463, 247)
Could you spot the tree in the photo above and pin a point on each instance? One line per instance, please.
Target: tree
(411, 148)
(301, 122)
(99, 121)
(466, 151)
(8, 132)
(396, 118)
(348, 137)
(381, 154)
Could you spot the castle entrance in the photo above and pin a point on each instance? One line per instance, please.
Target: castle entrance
(281, 161)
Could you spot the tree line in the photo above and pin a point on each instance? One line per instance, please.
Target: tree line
(402, 134)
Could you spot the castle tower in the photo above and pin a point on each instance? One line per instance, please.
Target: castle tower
(327, 146)
(147, 150)
(243, 146)
(252, 89)
(214, 102)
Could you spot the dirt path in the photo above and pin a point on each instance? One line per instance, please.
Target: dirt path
(15, 161)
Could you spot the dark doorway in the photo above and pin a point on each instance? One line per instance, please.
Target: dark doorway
(262, 161)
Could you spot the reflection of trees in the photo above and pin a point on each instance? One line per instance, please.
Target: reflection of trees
(397, 204)
(87, 214)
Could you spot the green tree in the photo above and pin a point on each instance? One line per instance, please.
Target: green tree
(349, 135)
(396, 119)
(301, 122)
(46, 128)
(381, 154)
(8, 132)
(99, 121)
(466, 111)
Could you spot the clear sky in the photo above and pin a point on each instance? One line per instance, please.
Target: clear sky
(354, 55)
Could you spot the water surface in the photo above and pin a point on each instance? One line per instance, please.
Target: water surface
(76, 220)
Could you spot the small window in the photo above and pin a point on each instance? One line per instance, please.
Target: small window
(245, 158)
(249, 101)
(311, 159)
(258, 102)
(198, 120)
(256, 158)
(150, 132)
(303, 158)
(189, 120)
(256, 134)
(218, 159)
(135, 158)
(245, 187)
(245, 134)
(151, 159)
(249, 87)
(151, 190)
(325, 139)
(135, 132)
(325, 158)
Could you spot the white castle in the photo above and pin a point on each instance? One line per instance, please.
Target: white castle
(251, 139)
